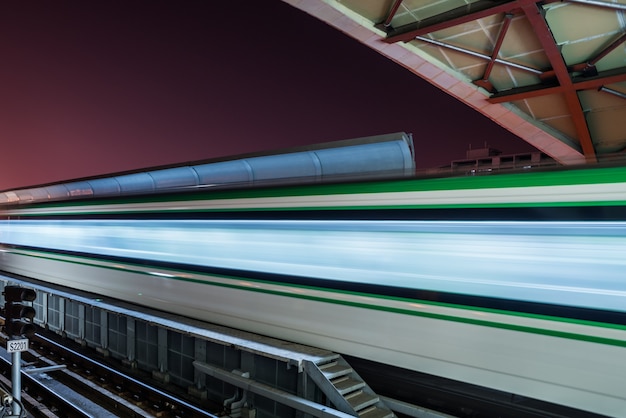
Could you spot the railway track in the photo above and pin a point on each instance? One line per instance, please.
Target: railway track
(38, 400)
(91, 387)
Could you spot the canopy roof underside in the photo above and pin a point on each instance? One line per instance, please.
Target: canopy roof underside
(551, 72)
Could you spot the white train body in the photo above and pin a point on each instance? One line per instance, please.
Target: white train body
(512, 282)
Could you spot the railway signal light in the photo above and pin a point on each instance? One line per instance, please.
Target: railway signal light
(18, 315)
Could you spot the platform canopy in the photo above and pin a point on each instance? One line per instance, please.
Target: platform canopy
(551, 72)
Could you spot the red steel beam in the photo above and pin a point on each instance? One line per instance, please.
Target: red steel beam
(496, 49)
(617, 75)
(448, 19)
(620, 40)
(522, 93)
(580, 83)
(392, 13)
(484, 82)
(544, 35)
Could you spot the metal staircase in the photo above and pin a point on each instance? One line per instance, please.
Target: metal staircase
(345, 389)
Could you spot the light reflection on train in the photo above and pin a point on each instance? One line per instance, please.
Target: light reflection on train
(513, 282)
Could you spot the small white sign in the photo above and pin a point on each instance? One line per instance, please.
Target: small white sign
(13, 346)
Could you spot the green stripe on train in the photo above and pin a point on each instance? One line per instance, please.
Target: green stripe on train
(514, 205)
(529, 179)
(134, 268)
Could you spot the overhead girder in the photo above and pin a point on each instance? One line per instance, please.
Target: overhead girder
(392, 13)
(558, 79)
(588, 67)
(457, 16)
(484, 81)
(578, 83)
(536, 18)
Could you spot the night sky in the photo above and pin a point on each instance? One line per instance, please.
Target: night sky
(98, 87)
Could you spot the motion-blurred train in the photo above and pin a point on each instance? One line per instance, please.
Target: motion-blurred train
(515, 282)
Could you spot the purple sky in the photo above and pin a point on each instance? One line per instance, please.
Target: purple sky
(97, 87)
